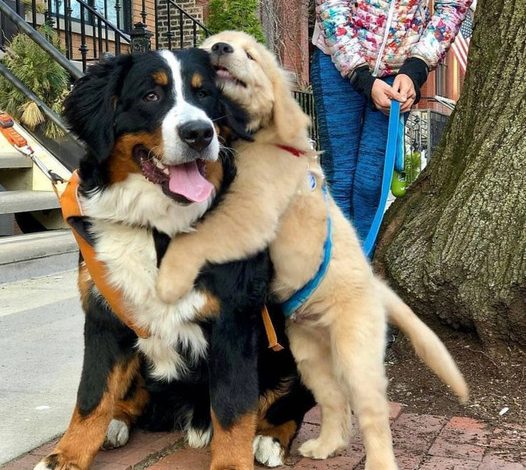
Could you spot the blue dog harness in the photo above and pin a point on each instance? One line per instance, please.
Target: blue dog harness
(291, 305)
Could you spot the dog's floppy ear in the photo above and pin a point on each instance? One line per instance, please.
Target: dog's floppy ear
(289, 118)
(236, 119)
(89, 108)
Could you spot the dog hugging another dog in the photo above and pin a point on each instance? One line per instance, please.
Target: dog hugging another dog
(204, 202)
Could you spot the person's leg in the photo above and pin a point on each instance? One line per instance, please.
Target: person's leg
(367, 182)
(339, 112)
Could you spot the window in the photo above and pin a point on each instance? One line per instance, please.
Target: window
(106, 8)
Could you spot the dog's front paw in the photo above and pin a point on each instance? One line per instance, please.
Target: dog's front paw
(117, 434)
(268, 451)
(318, 449)
(174, 283)
(56, 462)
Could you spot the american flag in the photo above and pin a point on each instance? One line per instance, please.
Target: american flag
(461, 45)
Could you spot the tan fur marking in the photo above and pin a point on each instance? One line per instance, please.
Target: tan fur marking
(121, 162)
(214, 173)
(85, 434)
(129, 410)
(211, 308)
(160, 78)
(197, 80)
(232, 448)
(284, 433)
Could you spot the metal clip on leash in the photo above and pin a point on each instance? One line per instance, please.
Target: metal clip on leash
(394, 157)
(20, 143)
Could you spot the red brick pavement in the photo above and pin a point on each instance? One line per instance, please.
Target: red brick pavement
(422, 442)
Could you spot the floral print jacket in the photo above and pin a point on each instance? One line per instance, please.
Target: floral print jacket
(383, 33)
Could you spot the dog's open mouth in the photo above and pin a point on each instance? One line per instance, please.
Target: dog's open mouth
(224, 74)
(184, 183)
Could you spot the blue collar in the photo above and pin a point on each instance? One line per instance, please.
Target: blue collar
(291, 305)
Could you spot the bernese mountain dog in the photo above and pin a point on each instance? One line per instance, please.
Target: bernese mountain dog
(157, 130)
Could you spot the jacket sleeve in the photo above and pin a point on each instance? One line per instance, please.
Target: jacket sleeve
(335, 19)
(441, 31)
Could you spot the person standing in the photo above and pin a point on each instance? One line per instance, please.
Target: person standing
(369, 52)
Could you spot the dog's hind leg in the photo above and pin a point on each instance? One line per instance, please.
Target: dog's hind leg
(125, 413)
(357, 331)
(109, 369)
(313, 356)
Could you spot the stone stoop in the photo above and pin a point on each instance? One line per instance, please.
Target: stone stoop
(34, 240)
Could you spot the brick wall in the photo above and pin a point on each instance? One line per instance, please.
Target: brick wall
(169, 21)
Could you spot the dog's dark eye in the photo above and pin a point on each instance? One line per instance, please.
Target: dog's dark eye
(249, 56)
(151, 97)
(202, 93)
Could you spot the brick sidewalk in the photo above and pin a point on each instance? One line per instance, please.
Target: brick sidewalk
(423, 442)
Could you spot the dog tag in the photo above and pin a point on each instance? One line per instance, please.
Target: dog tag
(312, 181)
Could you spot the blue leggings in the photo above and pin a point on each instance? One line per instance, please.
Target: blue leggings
(353, 137)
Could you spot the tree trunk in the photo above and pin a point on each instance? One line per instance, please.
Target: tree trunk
(455, 246)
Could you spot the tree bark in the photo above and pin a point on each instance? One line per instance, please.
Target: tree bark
(455, 246)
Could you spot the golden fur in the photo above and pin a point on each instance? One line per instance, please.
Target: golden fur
(338, 335)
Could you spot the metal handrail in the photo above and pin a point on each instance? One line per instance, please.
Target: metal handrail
(40, 40)
(196, 21)
(108, 23)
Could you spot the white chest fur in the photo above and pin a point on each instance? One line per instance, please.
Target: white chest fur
(130, 256)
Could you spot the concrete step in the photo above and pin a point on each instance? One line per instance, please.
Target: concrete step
(12, 202)
(37, 254)
(13, 159)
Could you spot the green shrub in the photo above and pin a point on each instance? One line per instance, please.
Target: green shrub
(42, 75)
(240, 15)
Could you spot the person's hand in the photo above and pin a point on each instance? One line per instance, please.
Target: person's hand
(406, 88)
(382, 94)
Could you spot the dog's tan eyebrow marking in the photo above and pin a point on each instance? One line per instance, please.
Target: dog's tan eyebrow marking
(197, 80)
(160, 78)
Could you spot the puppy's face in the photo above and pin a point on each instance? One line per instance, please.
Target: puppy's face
(250, 75)
(244, 70)
(153, 114)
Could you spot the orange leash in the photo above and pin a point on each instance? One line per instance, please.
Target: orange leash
(71, 209)
(270, 331)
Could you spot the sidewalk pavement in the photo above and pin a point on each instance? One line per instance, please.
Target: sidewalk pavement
(421, 441)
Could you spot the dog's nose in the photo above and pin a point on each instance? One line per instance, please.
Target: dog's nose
(221, 48)
(196, 134)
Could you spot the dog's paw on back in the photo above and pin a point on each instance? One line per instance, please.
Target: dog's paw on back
(55, 462)
(117, 435)
(268, 451)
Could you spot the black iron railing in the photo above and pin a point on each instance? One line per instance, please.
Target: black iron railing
(306, 101)
(88, 34)
(175, 28)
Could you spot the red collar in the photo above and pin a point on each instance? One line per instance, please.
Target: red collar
(296, 152)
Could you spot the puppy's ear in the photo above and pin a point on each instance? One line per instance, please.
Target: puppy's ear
(236, 120)
(90, 106)
(289, 118)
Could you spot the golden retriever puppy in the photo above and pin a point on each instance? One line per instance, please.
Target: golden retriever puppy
(279, 199)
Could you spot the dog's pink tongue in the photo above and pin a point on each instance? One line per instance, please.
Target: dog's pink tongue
(186, 181)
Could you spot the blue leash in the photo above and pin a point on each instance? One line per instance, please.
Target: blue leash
(394, 158)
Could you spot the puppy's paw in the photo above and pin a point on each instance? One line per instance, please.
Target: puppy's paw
(268, 451)
(117, 435)
(174, 283)
(198, 438)
(56, 462)
(318, 449)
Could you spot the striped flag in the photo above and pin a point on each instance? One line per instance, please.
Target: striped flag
(461, 45)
